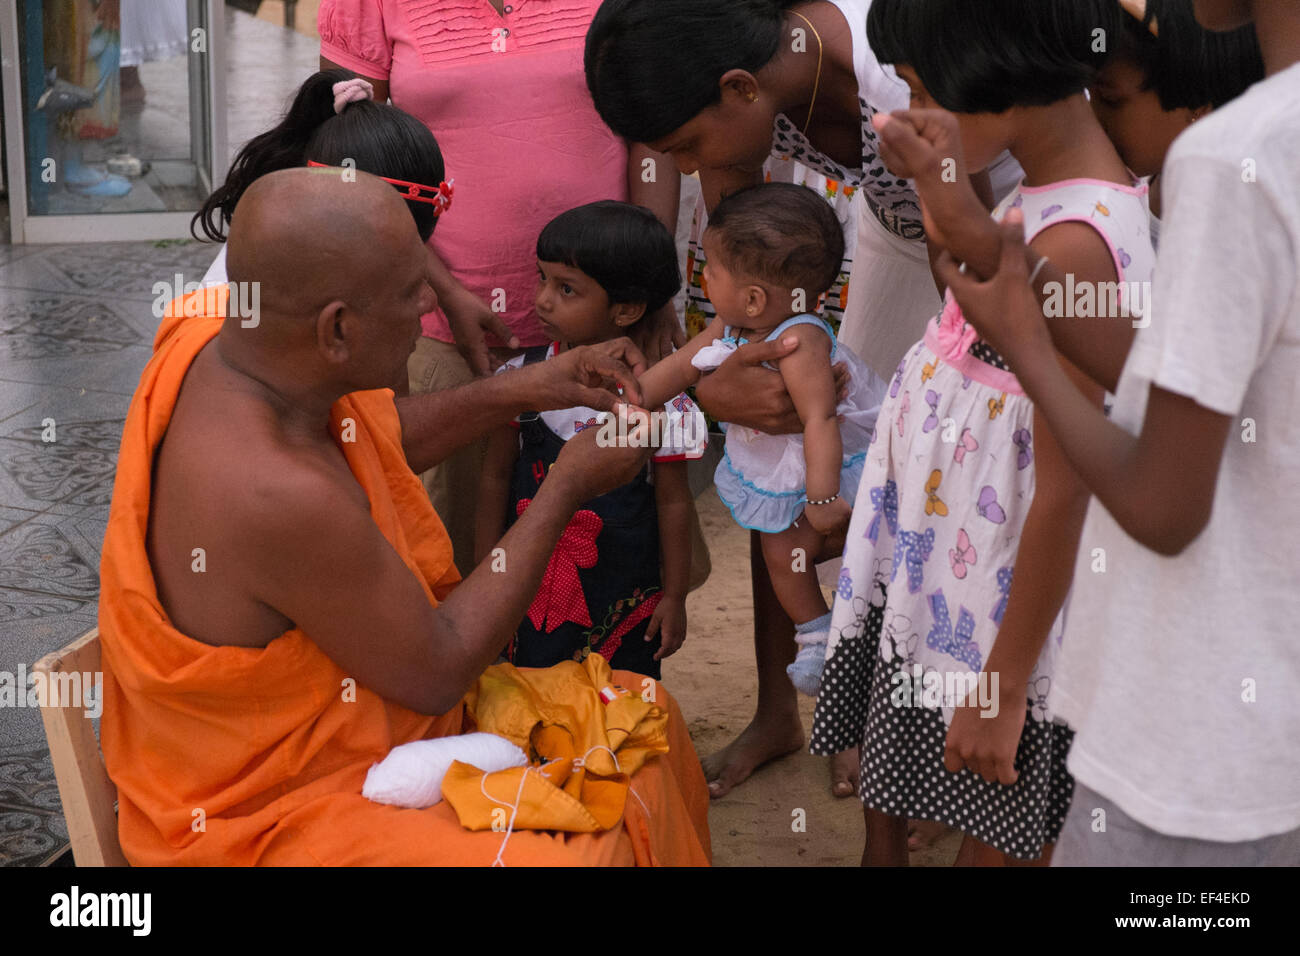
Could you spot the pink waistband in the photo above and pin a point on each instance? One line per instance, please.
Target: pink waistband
(953, 350)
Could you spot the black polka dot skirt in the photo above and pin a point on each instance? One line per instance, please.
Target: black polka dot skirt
(901, 749)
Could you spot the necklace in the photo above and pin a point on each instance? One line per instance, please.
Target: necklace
(817, 82)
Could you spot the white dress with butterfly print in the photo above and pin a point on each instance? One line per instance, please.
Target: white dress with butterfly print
(931, 552)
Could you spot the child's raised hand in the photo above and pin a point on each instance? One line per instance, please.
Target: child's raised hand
(987, 745)
(925, 146)
(829, 518)
(1004, 310)
(669, 622)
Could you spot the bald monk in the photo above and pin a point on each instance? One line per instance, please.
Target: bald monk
(277, 603)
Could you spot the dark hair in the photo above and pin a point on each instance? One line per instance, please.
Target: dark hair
(642, 84)
(988, 57)
(1188, 66)
(625, 248)
(780, 233)
(379, 138)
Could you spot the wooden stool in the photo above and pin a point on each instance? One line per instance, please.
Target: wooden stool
(89, 797)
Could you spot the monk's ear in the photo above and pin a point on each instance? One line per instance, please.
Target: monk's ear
(336, 326)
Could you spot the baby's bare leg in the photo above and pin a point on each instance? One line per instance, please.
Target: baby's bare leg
(791, 557)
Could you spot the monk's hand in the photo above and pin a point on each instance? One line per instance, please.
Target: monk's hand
(1004, 310)
(598, 460)
(744, 392)
(659, 334)
(598, 376)
(925, 146)
(986, 743)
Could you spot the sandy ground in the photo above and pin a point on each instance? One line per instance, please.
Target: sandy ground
(714, 680)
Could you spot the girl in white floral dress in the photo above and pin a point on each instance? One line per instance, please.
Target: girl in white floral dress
(951, 495)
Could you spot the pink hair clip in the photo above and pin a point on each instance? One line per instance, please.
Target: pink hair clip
(439, 198)
(351, 91)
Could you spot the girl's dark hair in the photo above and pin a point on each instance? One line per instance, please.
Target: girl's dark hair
(989, 56)
(780, 233)
(1188, 66)
(378, 138)
(653, 65)
(625, 248)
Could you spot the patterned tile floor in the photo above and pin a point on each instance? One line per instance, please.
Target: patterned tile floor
(76, 323)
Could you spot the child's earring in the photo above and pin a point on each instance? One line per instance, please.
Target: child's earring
(752, 97)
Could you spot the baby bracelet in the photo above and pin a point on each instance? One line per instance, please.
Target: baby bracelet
(824, 501)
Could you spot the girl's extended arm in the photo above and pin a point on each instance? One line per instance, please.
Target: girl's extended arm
(808, 379)
(494, 489)
(675, 505)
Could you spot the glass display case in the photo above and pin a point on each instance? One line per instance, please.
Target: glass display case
(110, 126)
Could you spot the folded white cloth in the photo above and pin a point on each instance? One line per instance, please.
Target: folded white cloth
(411, 775)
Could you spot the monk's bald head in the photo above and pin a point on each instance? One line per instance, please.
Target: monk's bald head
(308, 236)
(342, 279)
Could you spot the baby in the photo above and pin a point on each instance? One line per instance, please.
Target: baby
(772, 251)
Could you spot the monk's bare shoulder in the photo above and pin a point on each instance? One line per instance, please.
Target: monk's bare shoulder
(233, 499)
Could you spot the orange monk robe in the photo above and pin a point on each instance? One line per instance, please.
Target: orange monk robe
(237, 756)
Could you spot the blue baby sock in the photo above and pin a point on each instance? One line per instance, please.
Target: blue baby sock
(806, 670)
(822, 623)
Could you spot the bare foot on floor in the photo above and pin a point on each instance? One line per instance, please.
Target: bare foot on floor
(844, 773)
(923, 833)
(756, 745)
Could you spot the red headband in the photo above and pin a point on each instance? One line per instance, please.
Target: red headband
(440, 198)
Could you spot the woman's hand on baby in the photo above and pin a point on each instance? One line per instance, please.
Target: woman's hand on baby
(986, 744)
(1004, 310)
(828, 518)
(669, 622)
(925, 146)
(743, 392)
(471, 321)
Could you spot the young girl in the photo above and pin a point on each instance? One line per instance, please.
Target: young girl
(617, 583)
(1164, 73)
(963, 488)
(1180, 665)
(334, 122)
(772, 251)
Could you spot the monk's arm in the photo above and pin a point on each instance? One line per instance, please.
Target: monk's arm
(315, 555)
(435, 424)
